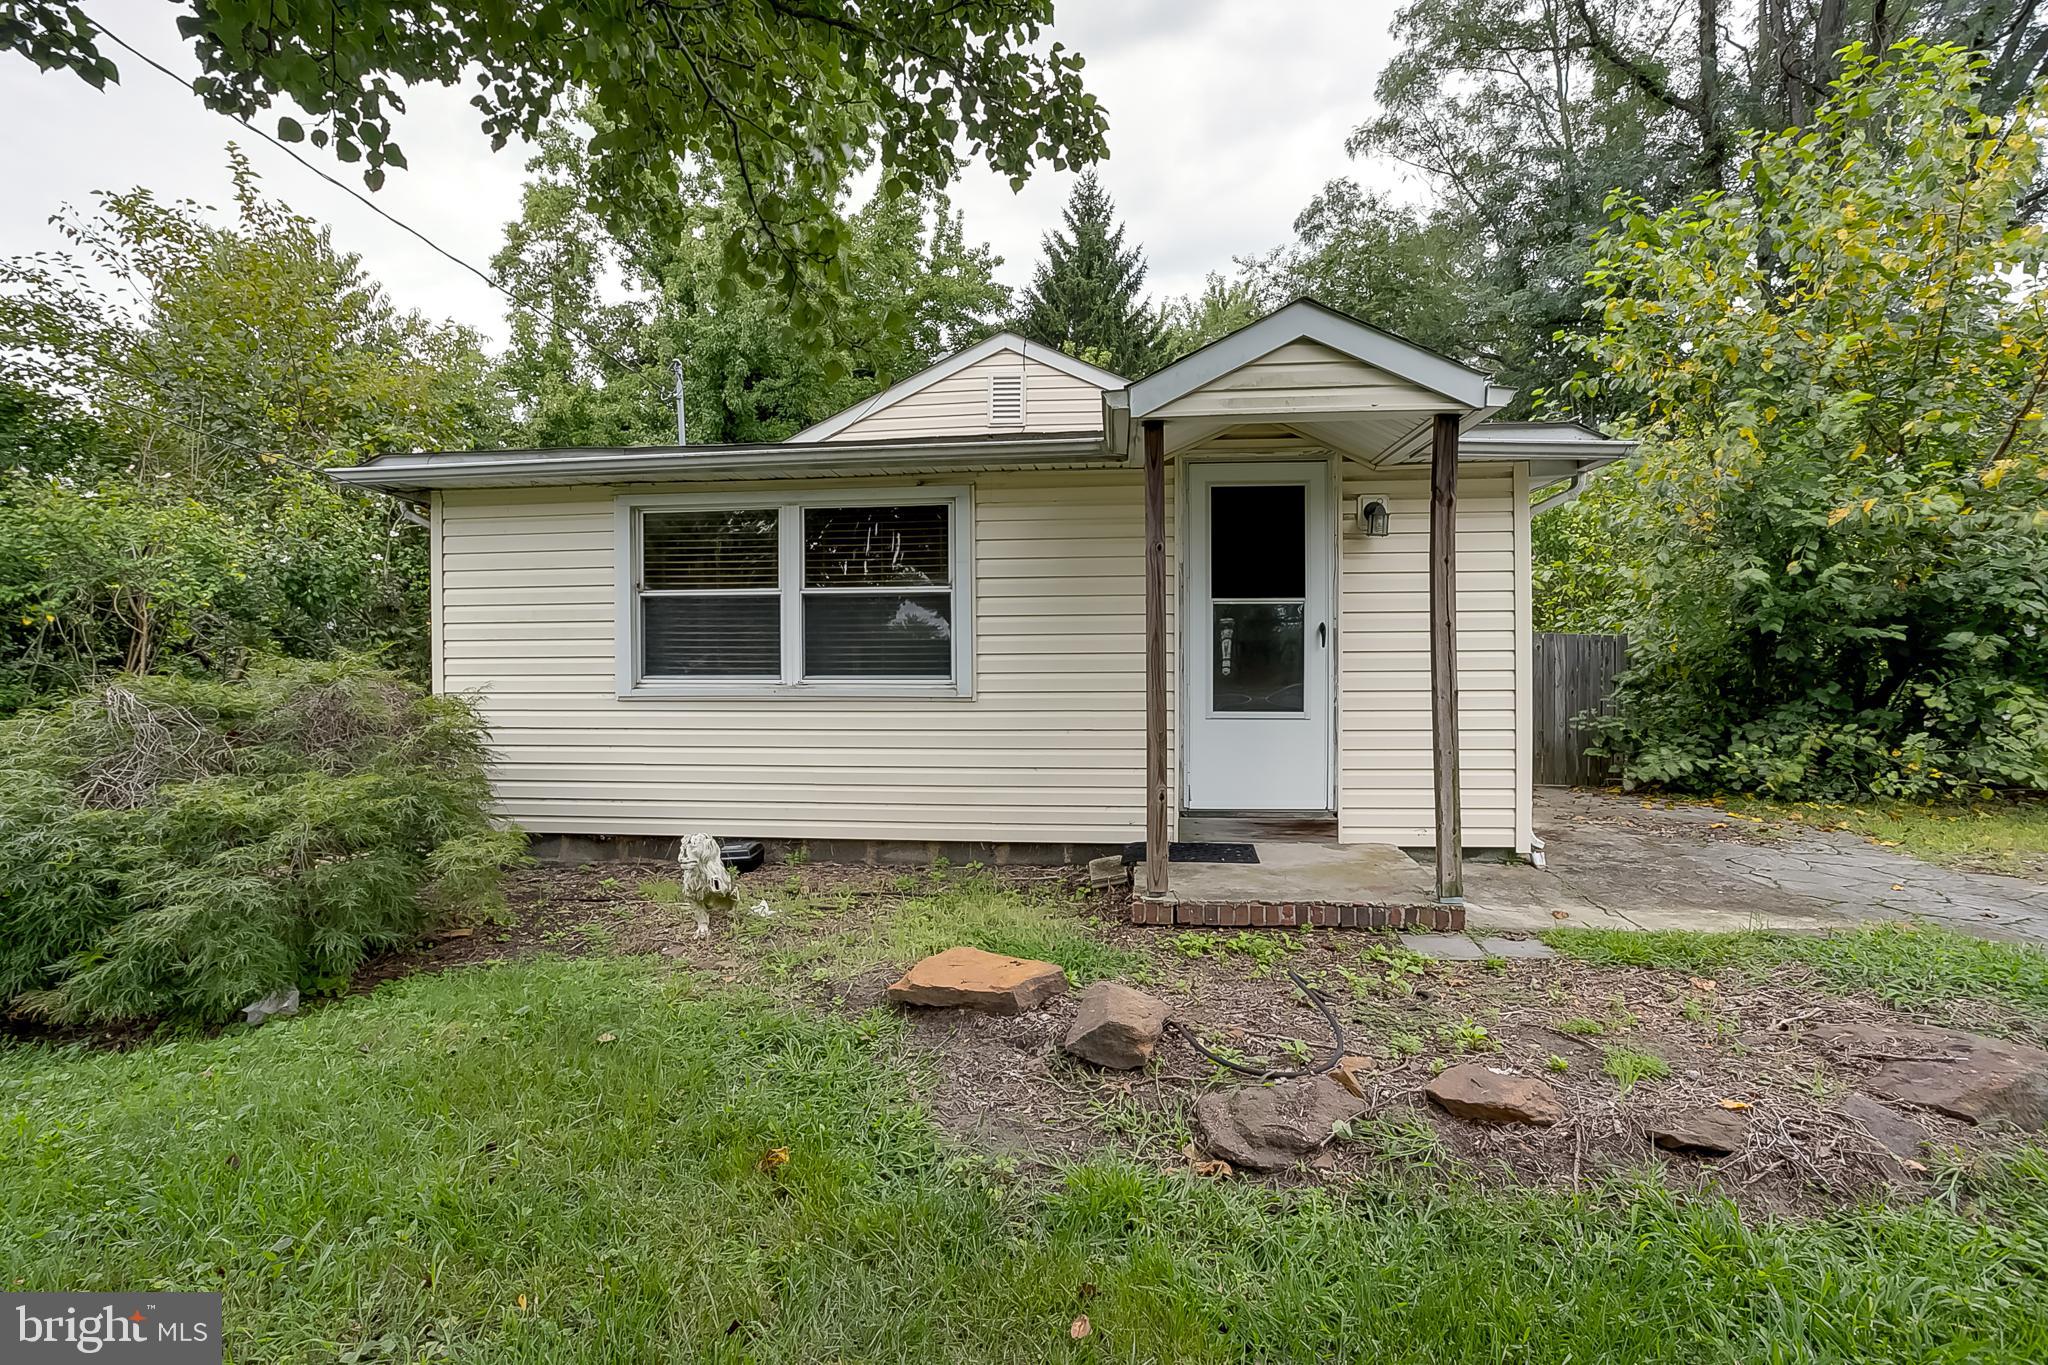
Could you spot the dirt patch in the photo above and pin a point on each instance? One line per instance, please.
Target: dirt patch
(1624, 1047)
(1003, 1081)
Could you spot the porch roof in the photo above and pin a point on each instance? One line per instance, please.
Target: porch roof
(1452, 384)
(1314, 377)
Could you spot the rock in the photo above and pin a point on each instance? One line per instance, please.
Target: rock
(1477, 1091)
(277, 1005)
(1109, 870)
(1892, 1131)
(971, 979)
(1709, 1132)
(1270, 1127)
(1963, 1075)
(1116, 1027)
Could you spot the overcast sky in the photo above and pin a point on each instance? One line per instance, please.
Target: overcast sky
(1225, 117)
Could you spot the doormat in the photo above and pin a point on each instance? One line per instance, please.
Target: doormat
(1195, 853)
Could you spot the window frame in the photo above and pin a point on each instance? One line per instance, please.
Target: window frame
(789, 508)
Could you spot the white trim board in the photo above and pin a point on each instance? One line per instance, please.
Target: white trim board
(1306, 320)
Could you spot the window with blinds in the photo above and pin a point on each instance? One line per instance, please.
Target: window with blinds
(878, 592)
(809, 590)
(710, 594)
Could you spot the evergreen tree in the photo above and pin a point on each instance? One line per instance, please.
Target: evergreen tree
(1084, 297)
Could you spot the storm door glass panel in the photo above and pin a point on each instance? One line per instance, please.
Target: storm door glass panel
(878, 592)
(710, 602)
(1258, 578)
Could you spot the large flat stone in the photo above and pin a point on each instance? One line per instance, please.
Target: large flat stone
(1709, 1132)
(1891, 1130)
(1479, 1092)
(968, 978)
(1270, 1127)
(1964, 1075)
(1115, 1026)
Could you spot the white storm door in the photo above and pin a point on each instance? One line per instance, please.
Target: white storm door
(1257, 635)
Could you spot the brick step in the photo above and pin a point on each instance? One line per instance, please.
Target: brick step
(1293, 914)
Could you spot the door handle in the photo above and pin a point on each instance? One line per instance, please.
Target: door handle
(1323, 633)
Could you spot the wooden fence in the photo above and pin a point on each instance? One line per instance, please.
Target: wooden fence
(1574, 675)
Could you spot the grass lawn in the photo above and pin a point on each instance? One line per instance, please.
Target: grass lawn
(600, 1159)
(1989, 836)
(1910, 967)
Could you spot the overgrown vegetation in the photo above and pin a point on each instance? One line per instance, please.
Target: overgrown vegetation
(179, 848)
(523, 1163)
(1836, 535)
(164, 417)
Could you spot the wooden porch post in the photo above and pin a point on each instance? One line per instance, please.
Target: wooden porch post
(1443, 655)
(1156, 851)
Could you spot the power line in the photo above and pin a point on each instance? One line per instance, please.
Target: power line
(362, 198)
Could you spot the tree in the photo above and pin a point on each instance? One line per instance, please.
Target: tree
(1582, 556)
(1360, 252)
(1084, 296)
(593, 370)
(788, 99)
(1524, 114)
(1839, 522)
(1523, 129)
(170, 510)
(1193, 321)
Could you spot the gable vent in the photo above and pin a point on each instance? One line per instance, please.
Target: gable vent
(1006, 400)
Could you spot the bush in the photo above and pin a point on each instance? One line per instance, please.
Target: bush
(1834, 539)
(178, 848)
(122, 575)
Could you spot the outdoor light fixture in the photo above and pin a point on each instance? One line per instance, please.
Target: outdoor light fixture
(1373, 517)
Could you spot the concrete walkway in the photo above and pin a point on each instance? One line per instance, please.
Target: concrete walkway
(1614, 863)
(1291, 871)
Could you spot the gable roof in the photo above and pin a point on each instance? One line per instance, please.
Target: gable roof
(1306, 320)
(1552, 450)
(952, 365)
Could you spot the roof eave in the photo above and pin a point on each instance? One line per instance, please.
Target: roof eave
(402, 474)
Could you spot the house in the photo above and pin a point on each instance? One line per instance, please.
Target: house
(1021, 604)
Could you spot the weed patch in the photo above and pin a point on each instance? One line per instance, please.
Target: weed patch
(1628, 1066)
(973, 910)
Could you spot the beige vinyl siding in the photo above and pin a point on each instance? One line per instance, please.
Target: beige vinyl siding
(1385, 778)
(1050, 748)
(1302, 376)
(957, 405)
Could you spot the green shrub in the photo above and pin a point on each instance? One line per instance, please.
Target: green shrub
(1829, 553)
(178, 848)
